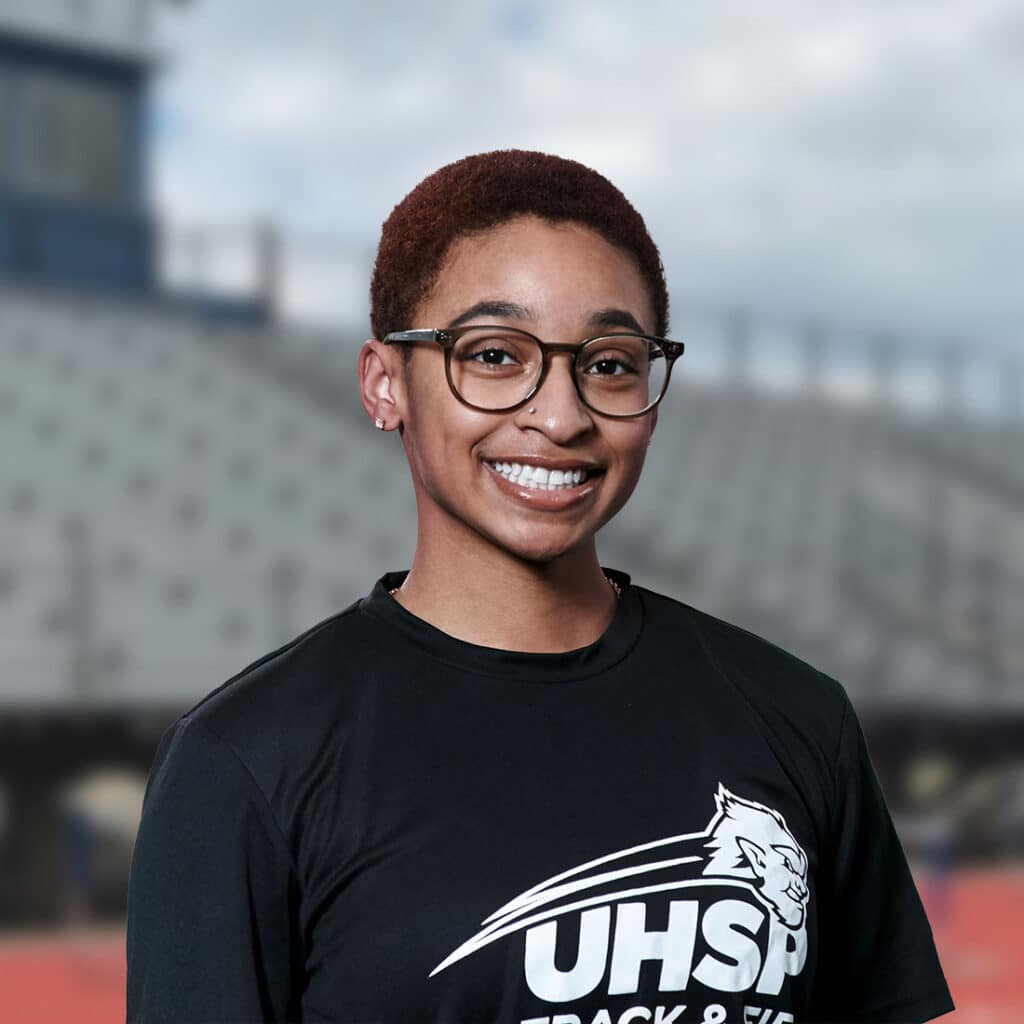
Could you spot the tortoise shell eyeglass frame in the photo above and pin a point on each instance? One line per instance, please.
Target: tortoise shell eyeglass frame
(447, 338)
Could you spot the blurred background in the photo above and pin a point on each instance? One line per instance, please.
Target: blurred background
(190, 199)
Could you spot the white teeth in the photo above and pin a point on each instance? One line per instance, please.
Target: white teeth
(539, 478)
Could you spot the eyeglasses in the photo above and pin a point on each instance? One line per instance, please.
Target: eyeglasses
(496, 369)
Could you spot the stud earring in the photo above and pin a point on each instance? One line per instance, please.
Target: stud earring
(378, 423)
(533, 408)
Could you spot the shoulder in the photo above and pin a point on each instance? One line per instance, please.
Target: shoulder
(290, 699)
(760, 666)
(788, 694)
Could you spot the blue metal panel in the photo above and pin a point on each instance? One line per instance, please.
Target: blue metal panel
(86, 247)
(74, 244)
(97, 67)
(137, 147)
(6, 238)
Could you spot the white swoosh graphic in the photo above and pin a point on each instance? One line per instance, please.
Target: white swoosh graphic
(529, 896)
(489, 935)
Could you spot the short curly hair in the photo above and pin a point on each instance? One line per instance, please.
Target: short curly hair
(481, 191)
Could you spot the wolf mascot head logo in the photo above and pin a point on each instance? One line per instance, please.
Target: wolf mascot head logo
(750, 841)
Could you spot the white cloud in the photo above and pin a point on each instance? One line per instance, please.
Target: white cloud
(866, 156)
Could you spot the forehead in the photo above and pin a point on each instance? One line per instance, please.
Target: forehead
(563, 265)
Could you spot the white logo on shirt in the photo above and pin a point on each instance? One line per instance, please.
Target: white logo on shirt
(746, 844)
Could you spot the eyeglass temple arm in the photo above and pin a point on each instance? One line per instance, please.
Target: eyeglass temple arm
(426, 334)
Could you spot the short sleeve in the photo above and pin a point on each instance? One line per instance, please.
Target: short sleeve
(877, 960)
(209, 933)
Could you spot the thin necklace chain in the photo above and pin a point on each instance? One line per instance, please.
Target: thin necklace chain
(612, 583)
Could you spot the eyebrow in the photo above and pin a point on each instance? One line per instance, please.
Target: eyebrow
(610, 317)
(616, 318)
(495, 307)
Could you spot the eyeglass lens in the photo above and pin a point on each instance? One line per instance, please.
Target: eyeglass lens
(618, 374)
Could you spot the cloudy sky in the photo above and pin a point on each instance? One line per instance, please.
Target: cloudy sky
(861, 161)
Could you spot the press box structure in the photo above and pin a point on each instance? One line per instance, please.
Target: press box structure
(73, 77)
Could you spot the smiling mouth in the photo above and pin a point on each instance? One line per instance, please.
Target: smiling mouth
(539, 478)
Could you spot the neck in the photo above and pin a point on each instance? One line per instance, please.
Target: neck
(496, 600)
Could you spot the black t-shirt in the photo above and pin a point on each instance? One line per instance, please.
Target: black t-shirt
(378, 822)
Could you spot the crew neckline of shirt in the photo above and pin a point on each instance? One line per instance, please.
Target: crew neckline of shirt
(607, 650)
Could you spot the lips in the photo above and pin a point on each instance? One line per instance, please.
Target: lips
(546, 462)
(539, 493)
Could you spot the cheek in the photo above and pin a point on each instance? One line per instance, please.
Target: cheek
(630, 451)
(632, 448)
(442, 434)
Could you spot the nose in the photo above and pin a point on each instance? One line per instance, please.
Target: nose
(560, 413)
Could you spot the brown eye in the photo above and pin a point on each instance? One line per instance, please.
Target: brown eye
(492, 356)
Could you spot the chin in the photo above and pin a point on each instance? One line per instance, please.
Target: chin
(540, 549)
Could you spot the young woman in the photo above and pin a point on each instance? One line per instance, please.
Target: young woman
(509, 785)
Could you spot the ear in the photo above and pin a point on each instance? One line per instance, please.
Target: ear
(754, 854)
(380, 383)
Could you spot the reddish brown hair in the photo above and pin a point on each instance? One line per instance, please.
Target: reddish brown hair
(481, 191)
